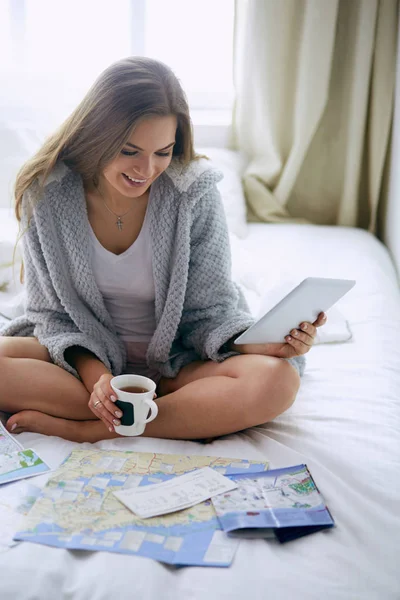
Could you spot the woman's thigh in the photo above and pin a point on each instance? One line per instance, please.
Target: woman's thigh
(23, 347)
(244, 365)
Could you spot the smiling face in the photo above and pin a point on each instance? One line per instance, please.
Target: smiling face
(147, 153)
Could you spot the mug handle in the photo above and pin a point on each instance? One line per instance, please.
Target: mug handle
(154, 410)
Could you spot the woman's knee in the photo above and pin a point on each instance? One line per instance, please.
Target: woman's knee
(20, 347)
(7, 347)
(276, 383)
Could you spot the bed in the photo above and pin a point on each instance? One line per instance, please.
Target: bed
(344, 425)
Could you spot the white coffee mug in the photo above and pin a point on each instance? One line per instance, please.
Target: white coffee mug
(134, 405)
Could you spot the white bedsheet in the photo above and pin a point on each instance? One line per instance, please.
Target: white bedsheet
(344, 424)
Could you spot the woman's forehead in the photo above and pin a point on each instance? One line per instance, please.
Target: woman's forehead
(154, 133)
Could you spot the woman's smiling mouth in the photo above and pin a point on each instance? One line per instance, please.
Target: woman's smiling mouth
(134, 182)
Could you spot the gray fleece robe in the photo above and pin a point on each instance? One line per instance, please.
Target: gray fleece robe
(197, 306)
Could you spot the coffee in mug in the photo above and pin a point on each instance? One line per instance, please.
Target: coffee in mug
(134, 398)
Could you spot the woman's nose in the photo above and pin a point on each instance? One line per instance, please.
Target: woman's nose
(144, 167)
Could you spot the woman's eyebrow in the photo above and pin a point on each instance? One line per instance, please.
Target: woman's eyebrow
(137, 147)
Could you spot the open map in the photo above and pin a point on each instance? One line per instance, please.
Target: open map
(77, 509)
(278, 498)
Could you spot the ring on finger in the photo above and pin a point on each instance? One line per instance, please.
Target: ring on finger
(96, 404)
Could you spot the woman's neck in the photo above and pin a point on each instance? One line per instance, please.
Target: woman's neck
(115, 201)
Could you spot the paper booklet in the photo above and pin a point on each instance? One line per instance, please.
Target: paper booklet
(17, 462)
(281, 503)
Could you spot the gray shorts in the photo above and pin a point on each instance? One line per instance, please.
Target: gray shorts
(299, 363)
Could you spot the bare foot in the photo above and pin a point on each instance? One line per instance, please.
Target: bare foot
(75, 431)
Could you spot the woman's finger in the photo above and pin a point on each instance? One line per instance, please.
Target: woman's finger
(97, 406)
(302, 336)
(308, 328)
(321, 320)
(299, 346)
(114, 412)
(106, 414)
(108, 391)
(93, 401)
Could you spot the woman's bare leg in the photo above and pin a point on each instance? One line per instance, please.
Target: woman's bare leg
(29, 380)
(205, 400)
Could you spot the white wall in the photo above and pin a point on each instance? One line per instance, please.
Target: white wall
(391, 231)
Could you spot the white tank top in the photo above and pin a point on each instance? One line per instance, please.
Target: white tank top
(126, 283)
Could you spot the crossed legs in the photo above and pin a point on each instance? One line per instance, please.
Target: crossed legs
(205, 400)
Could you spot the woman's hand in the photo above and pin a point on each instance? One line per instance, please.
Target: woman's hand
(298, 341)
(102, 400)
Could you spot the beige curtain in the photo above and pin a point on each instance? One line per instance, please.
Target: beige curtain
(314, 98)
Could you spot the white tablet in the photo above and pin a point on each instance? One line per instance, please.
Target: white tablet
(304, 303)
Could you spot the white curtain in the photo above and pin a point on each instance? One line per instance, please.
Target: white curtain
(314, 100)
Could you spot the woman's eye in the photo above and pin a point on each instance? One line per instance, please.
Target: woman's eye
(127, 153)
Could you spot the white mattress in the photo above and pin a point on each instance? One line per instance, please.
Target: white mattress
(344, 424)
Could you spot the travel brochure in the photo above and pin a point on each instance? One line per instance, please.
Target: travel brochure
(282, 503)
(17, 462)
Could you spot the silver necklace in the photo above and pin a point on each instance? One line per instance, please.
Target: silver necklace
(119, 221)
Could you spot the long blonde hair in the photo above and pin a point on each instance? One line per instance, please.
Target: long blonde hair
(125, 93)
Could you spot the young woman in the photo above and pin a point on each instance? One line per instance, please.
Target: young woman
(127, 269)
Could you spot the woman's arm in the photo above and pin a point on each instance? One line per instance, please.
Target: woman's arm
(50, 322)
(89, 367)
(214, 310)
(214, 313)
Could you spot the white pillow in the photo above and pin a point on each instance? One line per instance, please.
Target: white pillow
(231, 164)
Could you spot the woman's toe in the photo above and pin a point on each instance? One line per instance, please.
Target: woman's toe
(12, 424)
(22, 421)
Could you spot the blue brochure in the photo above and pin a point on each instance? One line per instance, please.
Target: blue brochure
(281, 503)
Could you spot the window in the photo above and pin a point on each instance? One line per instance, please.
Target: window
(52, 50)
(196, 39)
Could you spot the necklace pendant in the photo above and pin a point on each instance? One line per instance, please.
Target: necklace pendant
(119, 223)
